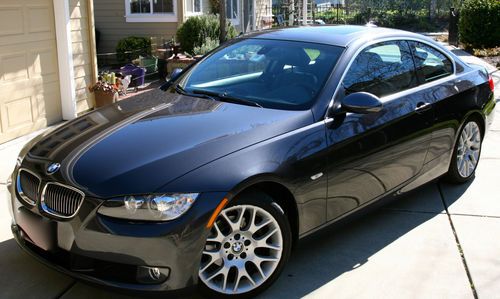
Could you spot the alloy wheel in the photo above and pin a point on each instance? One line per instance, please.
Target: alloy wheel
(242, 251)
(469, 147)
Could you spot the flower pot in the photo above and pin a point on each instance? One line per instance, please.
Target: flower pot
(103, 98)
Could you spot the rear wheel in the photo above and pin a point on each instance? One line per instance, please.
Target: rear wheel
(466, 153)
(247, 248)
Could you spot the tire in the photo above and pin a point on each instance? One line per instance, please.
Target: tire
(238, 255)
(466, 153)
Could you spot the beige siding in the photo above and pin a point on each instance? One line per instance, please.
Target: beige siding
(111, 22)
(82, 54)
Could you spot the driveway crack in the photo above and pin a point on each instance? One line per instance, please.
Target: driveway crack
(459, 246)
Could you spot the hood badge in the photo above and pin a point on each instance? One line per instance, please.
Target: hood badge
(53, 168)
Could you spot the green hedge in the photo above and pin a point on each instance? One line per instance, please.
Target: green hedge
(132, 47)
(196, 30)
(479, 24)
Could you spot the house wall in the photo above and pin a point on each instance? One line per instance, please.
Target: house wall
(110, 21)
(263, 14)
(83, 54)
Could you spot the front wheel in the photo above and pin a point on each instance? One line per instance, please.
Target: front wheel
(246, 249)
(466, 153)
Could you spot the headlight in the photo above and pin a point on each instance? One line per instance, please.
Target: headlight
(149, 208)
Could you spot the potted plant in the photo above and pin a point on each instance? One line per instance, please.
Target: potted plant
(105, 92)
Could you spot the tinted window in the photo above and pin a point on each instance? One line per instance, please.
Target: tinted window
(381, 69)
(275, 74)
(431, 64)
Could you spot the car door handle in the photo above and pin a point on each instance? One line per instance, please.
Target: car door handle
(421, 107)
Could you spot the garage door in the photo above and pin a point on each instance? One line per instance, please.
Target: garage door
(29, 83)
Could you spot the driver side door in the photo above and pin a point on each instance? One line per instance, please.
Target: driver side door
(372, 154)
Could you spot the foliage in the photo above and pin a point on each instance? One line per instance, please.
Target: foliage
(479, 23)
(132, 47)
(208, 45)
(196, 30)
(214, 6)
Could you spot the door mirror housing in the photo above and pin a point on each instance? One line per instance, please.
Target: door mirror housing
(175, 74)
(362, 103)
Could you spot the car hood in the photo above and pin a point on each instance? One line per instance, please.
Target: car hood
(139, 145)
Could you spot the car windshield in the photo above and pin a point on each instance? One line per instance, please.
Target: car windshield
(266, 73)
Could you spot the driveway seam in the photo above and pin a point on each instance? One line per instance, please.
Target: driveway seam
(65, 290)
(475, 215)
(459, 246)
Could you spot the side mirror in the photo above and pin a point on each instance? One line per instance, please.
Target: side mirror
(361, 102)
(175, 74)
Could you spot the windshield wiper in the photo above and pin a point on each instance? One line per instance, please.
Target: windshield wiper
(226, 98)
(182, 91)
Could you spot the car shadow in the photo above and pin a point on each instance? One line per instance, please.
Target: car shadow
(331, 252)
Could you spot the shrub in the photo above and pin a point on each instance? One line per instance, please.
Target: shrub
(479, 23)
(206, 47)
(196, 30)
(132, 47)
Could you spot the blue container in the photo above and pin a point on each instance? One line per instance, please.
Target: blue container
(137, 73)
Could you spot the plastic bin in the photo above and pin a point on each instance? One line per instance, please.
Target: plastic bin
(137, 73)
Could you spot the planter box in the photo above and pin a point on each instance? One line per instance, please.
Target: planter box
(103, 98)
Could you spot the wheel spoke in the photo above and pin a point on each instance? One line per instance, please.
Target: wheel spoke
(219, 237)
(233, 225)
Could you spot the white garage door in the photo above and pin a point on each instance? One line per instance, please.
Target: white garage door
(29, 82)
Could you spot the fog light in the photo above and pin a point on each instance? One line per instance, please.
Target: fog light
(152, 275)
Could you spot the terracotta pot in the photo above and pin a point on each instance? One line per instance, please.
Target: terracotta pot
(103, 98)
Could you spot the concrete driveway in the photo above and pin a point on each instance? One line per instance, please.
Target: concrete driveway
(441, 241)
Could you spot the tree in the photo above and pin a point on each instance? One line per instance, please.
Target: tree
(222, 19)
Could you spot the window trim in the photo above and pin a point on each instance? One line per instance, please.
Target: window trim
(235, 21)
(195, 13)
(441, 52)
(151, 17)
(397, 94)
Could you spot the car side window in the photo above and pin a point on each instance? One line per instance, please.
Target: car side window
(381, 69)
(430, 63)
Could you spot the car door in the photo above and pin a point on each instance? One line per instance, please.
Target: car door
(372, 154)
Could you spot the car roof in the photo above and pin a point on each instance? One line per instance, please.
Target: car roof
(337, 35)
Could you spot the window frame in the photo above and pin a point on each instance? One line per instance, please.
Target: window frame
(151, 17)
(398, 44)
(235, 21)
(422, 82)
(336, 98)
(195, 13)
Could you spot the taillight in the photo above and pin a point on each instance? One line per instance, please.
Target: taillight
(492, 85)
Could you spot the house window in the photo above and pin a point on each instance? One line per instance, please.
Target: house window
(194, 7)
(232, 11)
(151, 10)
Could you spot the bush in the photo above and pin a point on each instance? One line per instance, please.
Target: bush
(196, 30)
(132, 47)
(479, 23)
(206, 47)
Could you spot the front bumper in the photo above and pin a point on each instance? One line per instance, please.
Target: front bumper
(117, 253)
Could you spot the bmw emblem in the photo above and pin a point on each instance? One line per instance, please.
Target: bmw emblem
(53, 167)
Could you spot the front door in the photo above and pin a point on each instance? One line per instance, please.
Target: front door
(372, 154)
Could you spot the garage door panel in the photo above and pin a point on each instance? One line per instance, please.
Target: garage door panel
(11, 20)
(30, 97)
(44, 63)
(13, 67)
(40, 18)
